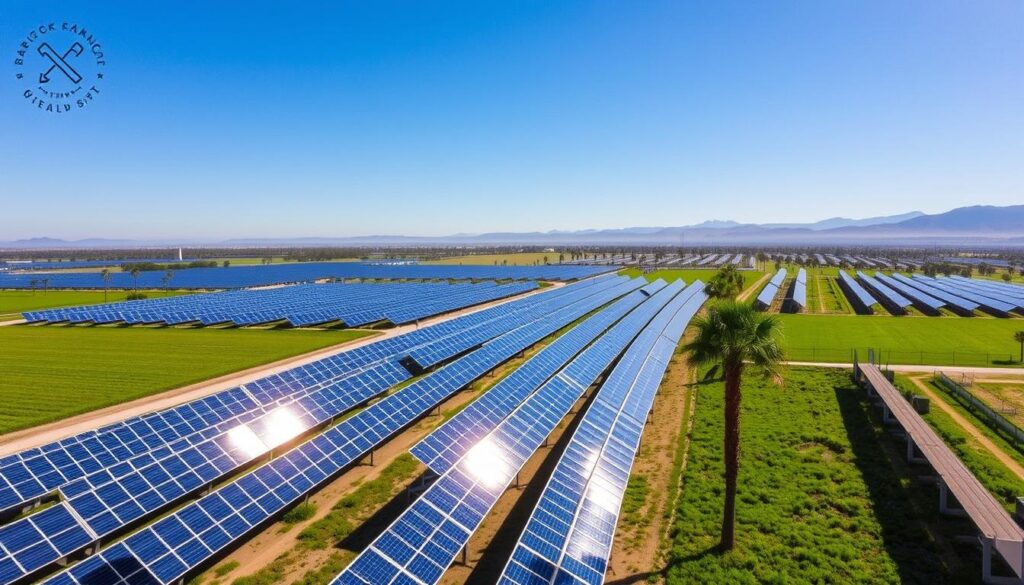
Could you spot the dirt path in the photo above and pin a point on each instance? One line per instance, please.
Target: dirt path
(971, 430)
(642, 530)
(753, 288)
(40, 435)
(14, 322)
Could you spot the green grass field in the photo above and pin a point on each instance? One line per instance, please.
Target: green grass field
(903, 340)
(49, 373)
(13, 302)
(691, 274)
(818, 500)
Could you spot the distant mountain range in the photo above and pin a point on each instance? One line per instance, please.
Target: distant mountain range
(976, 225)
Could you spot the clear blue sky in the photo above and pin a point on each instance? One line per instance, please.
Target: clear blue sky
(379, 117)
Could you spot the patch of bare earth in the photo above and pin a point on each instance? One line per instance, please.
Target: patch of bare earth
(642, 531)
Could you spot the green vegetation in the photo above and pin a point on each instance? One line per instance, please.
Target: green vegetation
(331, 530)
(904, 340)
(991, 472)
(50, 373)
(691, 274)
(300, 513)
(819, 500)
(225, 568)
(738, 338)
(14, 302)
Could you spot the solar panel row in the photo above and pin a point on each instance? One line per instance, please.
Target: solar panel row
(922, 299)
(448, 443)
(301, 305)
(424, 540)
(166, 550)
(891, 298)
(29, 475)
(856, 293)
(250, 276)
(568, 537)
(770, 290)
(800, 289)
(953, 301)
(991, 305)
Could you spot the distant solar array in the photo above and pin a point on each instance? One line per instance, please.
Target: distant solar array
(301, 305)
(251, 276)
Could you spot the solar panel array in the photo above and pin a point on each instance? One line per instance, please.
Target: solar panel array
(31, 474)
(1006, 292)
(424, 540)
(883, 292)
(989, 301)
(448, 443)
(771, 289)
(301, 305)
(922, 299)
(165, 551)
(953, 301)
(251, 276)
(856, 292)
(568, 537)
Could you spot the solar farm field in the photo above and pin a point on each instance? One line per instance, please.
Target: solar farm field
(691, 274)
(14, 302)
(928, 341)
(819, 500)
(518, 259)
(83, 369)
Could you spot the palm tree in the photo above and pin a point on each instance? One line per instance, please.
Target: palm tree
(726, 283)
(135, 275)
(105, 275)
(1019, 338)
(736, 336)
(167, 278)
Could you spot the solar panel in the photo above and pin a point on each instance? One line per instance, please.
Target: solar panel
(884, 291)
(856, 291)
(444, 446)
(425, 539)
(951, 300)
(225, 514)
(238, 277)
(910, 292)
(568, 536)
(961, 291)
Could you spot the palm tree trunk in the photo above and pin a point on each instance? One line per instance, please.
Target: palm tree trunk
(733, 376)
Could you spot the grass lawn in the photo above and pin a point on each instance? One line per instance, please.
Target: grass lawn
(819, 500)
(520, 259)
(49, 373)
(691, 274)
(14, 302)
(903, 340)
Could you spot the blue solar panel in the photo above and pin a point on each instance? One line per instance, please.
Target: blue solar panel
(252, 276)
(857, 292)
(426, 538)
(29, 475)
(986, 291)
(883, 291)
(224, 515)
(911, 292)
(568, 537)
(953, 287)
(771, 289)
(800, 288)
(951, 300)
(446, 445)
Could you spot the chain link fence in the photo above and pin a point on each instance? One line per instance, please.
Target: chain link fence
(903, 357)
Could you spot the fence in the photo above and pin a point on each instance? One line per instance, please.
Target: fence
(989, 415)
(902, 357)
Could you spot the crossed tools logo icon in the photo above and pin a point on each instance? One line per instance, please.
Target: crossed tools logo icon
(60, 67)
(60, 62)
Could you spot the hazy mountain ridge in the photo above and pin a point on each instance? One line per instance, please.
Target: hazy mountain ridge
(982, 224)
